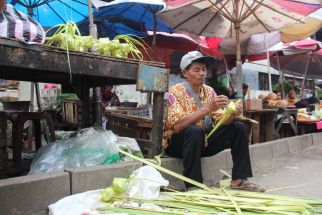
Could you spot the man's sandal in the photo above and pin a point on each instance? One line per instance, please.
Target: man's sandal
(248, 186)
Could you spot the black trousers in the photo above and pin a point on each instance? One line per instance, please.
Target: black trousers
(189, 144)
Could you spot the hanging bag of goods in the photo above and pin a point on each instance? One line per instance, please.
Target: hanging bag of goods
(14, 24)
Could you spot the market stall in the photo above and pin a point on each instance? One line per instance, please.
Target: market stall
(41, 63)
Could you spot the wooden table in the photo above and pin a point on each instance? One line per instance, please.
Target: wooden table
(18, 119)
(41, 63)
(288, 118)
(128, 125)
(306, 127)
(263, 131)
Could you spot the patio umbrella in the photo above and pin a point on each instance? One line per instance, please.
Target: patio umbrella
(171, 48)
(306, 65)
(230, 18)
(52, 12)
(313, 2)
(129, 17)
(299, 59)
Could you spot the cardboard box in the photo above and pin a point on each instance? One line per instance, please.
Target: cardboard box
(254, 104)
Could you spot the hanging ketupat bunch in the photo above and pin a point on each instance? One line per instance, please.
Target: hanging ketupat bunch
(68, 36)
(120, 46)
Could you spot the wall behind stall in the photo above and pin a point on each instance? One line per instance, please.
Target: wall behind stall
(128, 93)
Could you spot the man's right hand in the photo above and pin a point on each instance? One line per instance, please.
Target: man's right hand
(218, 102)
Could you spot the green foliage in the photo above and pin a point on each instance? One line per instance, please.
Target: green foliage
(288, 85)
(319, 93)
(218, 84)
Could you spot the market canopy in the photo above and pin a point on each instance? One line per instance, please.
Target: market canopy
(127, 17)
(306, 65)
(233, 19)
(52, 12)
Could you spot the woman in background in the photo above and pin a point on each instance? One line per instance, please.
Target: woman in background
(291, 97)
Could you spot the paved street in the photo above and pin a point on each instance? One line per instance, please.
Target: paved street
(299, 174)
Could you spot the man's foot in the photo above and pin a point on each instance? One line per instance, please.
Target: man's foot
(242, 184)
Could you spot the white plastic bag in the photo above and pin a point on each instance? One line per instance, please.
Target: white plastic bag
(145, 183)
(81, 203)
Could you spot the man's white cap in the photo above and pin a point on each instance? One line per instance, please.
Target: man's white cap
(194, 56)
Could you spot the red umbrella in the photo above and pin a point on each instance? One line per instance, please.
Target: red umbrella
(299, 59)
(171, 47)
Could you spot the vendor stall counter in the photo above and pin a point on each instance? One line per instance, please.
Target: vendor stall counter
(41, 63)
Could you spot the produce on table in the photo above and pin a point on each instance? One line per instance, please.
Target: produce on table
(67, 36)
(303, 116)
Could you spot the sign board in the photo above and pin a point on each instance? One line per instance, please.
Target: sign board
(151, 79)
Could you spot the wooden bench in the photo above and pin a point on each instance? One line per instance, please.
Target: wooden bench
(18, 120)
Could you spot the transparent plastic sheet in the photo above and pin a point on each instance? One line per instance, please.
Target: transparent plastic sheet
(129, 145)
(90, 147)
(14, 24)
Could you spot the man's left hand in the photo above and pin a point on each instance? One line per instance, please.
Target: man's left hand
(239, 109)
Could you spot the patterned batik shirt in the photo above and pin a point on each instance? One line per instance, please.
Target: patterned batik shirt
(181, 103)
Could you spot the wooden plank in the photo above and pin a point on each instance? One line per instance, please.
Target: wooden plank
(157, 127)
(40, 59)
(151, 79)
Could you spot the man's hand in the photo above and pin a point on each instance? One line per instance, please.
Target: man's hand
(217, 103)
(239, 108)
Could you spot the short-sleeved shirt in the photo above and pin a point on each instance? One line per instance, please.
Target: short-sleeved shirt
(181, 103)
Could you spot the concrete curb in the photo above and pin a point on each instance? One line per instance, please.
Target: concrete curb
(98, 177)
(30, 194)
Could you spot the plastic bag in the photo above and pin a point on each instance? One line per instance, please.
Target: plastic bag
(145, 183)
(129, 145)
(91, 146)
(81, 203)
(14, 24)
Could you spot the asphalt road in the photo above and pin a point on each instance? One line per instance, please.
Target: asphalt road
(294, 174)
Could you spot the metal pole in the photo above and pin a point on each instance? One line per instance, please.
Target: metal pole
(303, 83)
(97, 90)
(281, 79)
(268, 64)
(239, 69)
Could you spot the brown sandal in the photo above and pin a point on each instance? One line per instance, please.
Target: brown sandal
(248, 186)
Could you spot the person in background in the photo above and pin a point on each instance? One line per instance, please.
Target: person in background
(185, 128)
(278, 93)
(306, 103)
(232, 93)
(291, 97)
(109, 98)
(245, 90)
